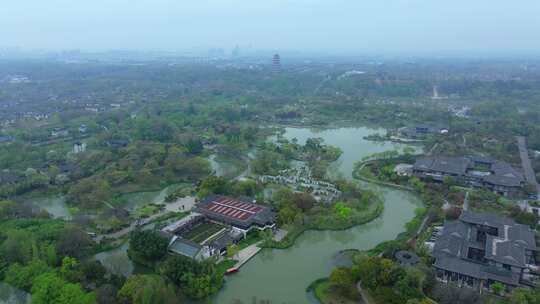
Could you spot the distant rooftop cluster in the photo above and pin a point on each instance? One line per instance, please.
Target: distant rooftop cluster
(421, 131)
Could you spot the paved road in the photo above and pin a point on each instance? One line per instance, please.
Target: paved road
(182, 204)
(365, 299)
(530, 176)
(466, 201)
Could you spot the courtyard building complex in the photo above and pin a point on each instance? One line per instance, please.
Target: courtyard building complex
(481, 249)
(217, 223)
(478, 172)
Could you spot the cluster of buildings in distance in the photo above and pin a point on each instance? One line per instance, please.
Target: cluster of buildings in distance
(421, 131)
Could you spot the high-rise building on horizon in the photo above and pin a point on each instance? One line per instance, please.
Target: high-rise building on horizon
(276, 63)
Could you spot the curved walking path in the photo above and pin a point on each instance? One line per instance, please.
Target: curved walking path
(365, 298)
(183, 204)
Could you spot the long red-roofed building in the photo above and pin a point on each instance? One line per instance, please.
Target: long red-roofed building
(240, 213)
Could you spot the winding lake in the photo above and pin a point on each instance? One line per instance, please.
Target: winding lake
(350, 140)
(282, 276)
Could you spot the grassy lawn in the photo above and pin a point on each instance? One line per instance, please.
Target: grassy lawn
(251, 238)
(147, 211)
(202, 232)
(222, 266)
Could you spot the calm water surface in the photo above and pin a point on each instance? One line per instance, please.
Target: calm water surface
(56, 206)
(350, 140)
(138, 199)
(282, 276)
(223, 167)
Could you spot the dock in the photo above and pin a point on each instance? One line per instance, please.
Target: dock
(246, 254)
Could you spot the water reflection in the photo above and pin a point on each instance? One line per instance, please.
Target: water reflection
(116, 261)
(56, 206)
(345, 237)
(138, 199)
(222, 166)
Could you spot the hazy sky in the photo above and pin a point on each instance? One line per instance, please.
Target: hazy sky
(313, 25)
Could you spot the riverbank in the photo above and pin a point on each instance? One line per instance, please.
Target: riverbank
(357, 174)
(322, 288)
(322, 291)
(297, 231)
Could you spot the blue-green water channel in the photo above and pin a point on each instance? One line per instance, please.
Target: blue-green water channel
(282, 276)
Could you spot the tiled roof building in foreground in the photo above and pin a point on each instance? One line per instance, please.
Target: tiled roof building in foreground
(240, 213)
(218, 222)
(480, 249)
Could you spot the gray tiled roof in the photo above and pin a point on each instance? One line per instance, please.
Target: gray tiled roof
(507, 247)
(185, 247)
(500, 173)
(450, 165)
(477, 270)
(505, 251)
(489, 219)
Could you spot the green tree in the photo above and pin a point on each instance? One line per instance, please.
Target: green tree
(409, 286)
(268, 162)
(90, 193)
(245, 188)
(497, 288)
(193, 145)
(286, 215)
(17, 246)
(73, 294)
(73, 241)
(46, 289)
(304, 201)
(417, 184)
(232, 250)
(213, 185)
(148, 245)
(50, 288)
(342, 278)
(70, 269)
(147, 289)
(23, 276)
(342, 211)
(195, 279)
(525, 296)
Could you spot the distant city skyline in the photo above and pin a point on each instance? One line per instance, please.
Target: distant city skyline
(341, 26)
